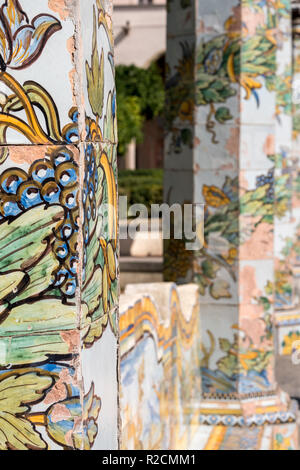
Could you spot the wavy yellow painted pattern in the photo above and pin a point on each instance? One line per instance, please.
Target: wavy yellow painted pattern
(159, 346)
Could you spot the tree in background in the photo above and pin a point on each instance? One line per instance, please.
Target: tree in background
(140, 97)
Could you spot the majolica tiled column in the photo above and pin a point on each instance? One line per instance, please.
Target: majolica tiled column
(225, 97)
(288, 223)
(58, 226)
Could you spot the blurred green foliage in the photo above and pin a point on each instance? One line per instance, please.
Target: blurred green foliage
(130, 121)
(142, 186)
(140, 97)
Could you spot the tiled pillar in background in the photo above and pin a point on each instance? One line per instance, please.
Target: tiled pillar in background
(58, 226)
(287, 227)
(296, 156)
(227, 106)
(287, 216)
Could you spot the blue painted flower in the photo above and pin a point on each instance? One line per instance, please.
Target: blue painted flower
(22, 42)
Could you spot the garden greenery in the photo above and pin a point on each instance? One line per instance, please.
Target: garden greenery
(140, 97)
(141, 186)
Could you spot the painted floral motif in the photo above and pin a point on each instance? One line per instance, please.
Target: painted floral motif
(238, 58)
(105, 20)
(283, 92)
(95, 76)
(283, 442)
(243, 365)
(296, 105)
(222, 208)
(99, 266)
(65, 428)
(21, 42)
(44, 214)
(20, 45)
(289, 341)
(17, 393)
(221, 218)
(284, 275)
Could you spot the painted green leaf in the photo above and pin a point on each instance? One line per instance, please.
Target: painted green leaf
(256, 69)
(96, 328)
(223, 114)
(225, 345)
(204, 48)
(209, 268)
(228, 365)
(10, 284)
(212, 96)
(3, 309)
(93, 290)
(41, 316)
(247, 197)
(200, 98)
(260, 192)
(18, 434)
(32, 348)
(22, 241)
(261, 361)
(32, 332)
(40, 277)
(17, 392)
(95, 76)
(204, 80)
(252, 207)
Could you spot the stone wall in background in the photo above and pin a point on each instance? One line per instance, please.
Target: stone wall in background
(160, 366)
(58, 244)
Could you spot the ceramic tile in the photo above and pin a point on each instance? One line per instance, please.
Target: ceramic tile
(40, 104)
(217, 334)
(102, 410)
(211, 18)
(99, 231)
(257, 147)
(58, 219)
(97, 51)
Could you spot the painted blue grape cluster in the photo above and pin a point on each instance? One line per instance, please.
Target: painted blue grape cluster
(49, 181)
(90, 190)
(269, 179)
